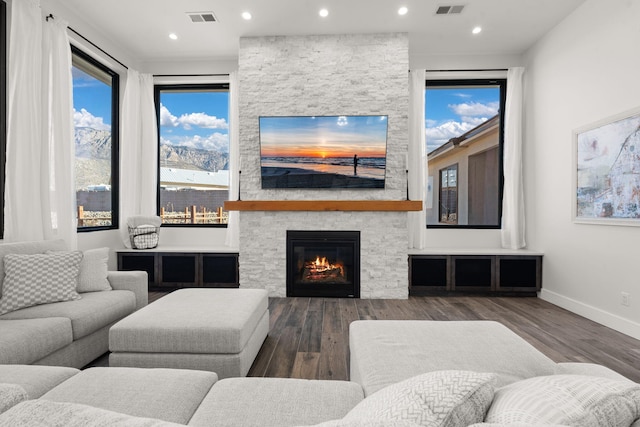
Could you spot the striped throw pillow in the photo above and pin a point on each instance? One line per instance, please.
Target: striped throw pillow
(575, 400)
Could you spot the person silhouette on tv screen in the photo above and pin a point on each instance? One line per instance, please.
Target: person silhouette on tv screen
(355, 164)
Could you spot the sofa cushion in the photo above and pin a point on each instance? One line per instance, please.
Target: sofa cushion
(39, 279)
(35, 379)
(275, 402)
(366, 423)
(384, 352)
(567, 399)
(42, 413)
(93, 271)
(168, 394)
(11, 395)
(38, 247)
(94, 311)
(26, 341)
(441, 398)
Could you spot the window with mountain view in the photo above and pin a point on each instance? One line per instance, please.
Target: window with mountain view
(464, 128)
(193, 153)
(95, 118)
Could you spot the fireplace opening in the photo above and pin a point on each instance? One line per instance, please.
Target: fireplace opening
(323, 264)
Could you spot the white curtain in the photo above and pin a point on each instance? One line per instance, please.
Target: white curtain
(513, 217)
(138, 151)
(39, 189)
(416, 159)
(233, 227)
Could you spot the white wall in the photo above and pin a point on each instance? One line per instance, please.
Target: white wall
(584, 70)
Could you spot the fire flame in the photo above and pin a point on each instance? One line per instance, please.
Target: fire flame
(323, 264)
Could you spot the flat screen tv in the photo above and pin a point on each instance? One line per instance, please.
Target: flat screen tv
(323, 151)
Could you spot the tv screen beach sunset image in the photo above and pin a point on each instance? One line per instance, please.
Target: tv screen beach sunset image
(323, 151)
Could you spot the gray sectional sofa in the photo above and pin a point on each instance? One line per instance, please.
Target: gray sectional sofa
(70, 333)
(403, 373)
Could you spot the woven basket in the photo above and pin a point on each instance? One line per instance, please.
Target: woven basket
(144, 236)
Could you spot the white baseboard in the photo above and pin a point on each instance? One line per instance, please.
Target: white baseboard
(605, 318)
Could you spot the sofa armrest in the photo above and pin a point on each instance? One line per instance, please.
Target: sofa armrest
(134, 281)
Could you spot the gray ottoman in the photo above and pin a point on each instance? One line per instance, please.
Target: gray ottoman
(218, 330)
(384, 352)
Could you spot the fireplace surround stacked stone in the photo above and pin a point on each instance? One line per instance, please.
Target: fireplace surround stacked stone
(329, 75)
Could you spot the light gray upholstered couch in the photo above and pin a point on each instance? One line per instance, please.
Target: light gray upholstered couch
(70, 333)
(383, 354)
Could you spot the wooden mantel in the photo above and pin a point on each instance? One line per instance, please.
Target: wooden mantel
(324, 205)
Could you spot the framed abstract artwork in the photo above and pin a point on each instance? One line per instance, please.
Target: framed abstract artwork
(606, 172)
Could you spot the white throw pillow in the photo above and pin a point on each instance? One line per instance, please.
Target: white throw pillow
(94, 271)
(517, 425)
(440, 398)
(575, 400)
(11, 395)
(39, 279)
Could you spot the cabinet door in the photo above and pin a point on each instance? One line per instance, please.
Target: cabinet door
(128, 261)
(473, 273)
(429, 274)
(178, 270)
(220, 270)
(519, 273)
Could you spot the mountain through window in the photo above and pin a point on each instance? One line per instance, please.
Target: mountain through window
(193, 132)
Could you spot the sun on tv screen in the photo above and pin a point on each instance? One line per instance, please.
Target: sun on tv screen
(323, 151)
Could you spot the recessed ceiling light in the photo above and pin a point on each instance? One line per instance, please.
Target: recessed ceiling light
(246, 15)
(324, 13)
(403, 10)
(173, 36)
(476, 30)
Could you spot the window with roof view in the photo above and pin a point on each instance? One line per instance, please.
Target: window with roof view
(95, 118)
(193, 153)
(464, 128)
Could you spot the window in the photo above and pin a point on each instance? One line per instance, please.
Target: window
(449, 195)
(464, 134)
(95, 119)
(193, 134)
(3, 107)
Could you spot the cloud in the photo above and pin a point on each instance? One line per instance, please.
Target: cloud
(166, 118)
(85, 119)
(438, 135)
(475, 109)
(188, 121)
(202, 120)
(214, 142)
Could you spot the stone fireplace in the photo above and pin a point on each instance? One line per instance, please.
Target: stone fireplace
(323, 264)
(358, 74)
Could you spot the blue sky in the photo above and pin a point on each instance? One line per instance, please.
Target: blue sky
(323, 136)
(450, 112)
(91, 101)
(194, 119)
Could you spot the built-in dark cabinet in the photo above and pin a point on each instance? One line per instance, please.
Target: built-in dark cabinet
(506, 274)
(174, 270)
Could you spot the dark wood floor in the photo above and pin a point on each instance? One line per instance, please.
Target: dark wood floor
(309, 337)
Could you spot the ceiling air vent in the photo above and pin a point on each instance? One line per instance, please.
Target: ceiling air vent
(449, 10)
(202, 16)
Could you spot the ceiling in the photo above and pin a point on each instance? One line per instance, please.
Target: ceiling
(140, 28)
